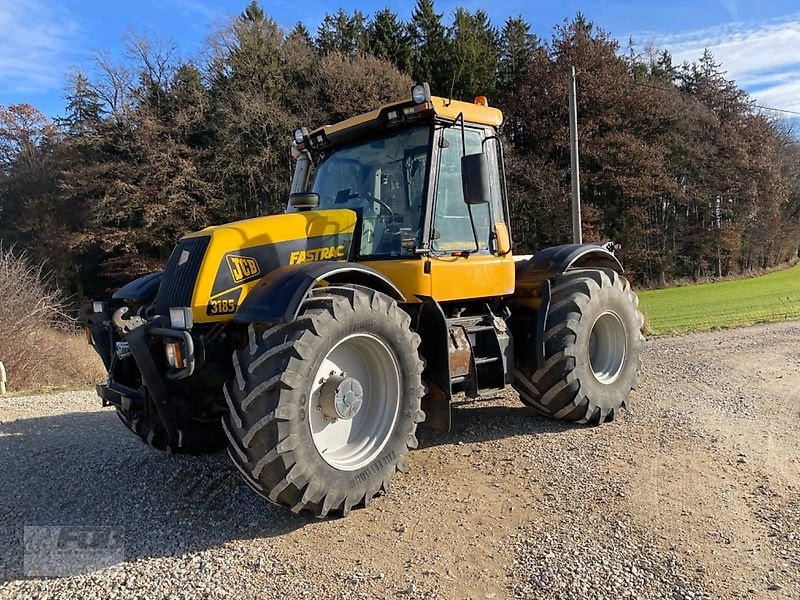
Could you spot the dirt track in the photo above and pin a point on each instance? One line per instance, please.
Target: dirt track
(694, 492)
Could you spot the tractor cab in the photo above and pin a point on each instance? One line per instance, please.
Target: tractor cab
(425, 177)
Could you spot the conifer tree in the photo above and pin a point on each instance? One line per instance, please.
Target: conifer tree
(389, 39)
(343, 33)
(84, 111)
(429, 42)
(473, 54)
(516, 47)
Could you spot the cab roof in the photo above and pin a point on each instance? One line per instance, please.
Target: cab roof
(440, 107)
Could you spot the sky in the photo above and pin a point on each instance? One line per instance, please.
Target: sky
(42, 42)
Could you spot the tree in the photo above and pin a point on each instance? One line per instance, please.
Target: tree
(342, 33)
(81, 180)
(114, 85)
(516, 48)
(622, 162)
(300, 32)
(300, 64)
(349, 85)
(84, 109)
(152, 186)
(430, 51)
(388, 39)
(473, 54)
(248, 118)
(27, 139)
(31, 213)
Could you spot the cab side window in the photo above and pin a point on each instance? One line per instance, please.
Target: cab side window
(452, 229)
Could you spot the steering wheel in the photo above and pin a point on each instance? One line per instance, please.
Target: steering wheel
(370, 198)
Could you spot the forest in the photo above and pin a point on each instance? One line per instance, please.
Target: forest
(678, 165)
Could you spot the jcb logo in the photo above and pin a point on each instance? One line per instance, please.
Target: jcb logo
(315, 254)
(243, 267)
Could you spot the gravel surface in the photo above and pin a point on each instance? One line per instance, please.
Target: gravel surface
(693, 493)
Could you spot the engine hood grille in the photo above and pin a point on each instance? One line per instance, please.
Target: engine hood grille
(181, 273)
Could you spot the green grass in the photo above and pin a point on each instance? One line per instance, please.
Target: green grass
(735, 303)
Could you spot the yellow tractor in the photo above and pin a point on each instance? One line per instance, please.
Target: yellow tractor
(314, 342)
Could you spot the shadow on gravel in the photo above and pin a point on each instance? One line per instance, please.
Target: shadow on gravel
(484, 420)
(87, 469)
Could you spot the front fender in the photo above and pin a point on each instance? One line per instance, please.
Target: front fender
(144, 288)
(277, 298)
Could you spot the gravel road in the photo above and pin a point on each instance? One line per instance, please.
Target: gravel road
(693, 493)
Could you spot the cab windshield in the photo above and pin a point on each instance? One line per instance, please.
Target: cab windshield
(384, 181)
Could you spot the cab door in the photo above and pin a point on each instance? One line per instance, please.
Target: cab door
(465, 262)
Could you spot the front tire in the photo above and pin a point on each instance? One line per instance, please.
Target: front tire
(593, 346)
(323, 410)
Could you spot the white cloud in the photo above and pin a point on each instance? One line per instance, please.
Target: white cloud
(764, 58)
(38, 43)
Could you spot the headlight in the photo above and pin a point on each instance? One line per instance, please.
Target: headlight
(99, 307)
(300, 135)
(181, 318)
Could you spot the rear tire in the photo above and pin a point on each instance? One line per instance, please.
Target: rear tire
(323, 410)
(593, 346)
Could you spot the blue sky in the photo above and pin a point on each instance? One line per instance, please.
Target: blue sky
(41, 42)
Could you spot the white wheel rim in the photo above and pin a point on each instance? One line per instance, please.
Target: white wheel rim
(607, 347)
(350, 444)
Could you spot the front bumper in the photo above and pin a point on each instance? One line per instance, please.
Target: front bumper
(120, 396)
(138, 380)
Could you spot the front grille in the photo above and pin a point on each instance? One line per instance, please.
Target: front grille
(180, 276)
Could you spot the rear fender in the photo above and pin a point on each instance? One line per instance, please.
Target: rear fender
(531, 301)
(278, 296)
(550, 262)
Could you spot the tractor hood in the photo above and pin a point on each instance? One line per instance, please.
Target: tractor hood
(212, 270)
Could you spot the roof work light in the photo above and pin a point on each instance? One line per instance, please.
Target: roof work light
(421, 93)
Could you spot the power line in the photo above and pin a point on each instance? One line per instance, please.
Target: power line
(783, 110)
(677, 91)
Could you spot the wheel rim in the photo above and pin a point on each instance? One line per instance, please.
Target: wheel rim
(607, 347)
(350, 428)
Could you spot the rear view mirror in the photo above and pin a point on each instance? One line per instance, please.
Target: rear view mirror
(475, 178)
(303, 200)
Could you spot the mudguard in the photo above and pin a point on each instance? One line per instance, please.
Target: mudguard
(140, 289)
(278, 296)
(550, 262)
(531, 301)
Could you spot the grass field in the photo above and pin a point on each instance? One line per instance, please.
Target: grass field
(736, 303)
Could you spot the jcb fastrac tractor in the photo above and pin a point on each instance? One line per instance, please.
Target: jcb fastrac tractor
(314, 342)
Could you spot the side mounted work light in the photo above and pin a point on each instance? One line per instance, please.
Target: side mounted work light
(300, 135)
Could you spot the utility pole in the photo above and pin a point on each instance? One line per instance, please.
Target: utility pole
(577, 233)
